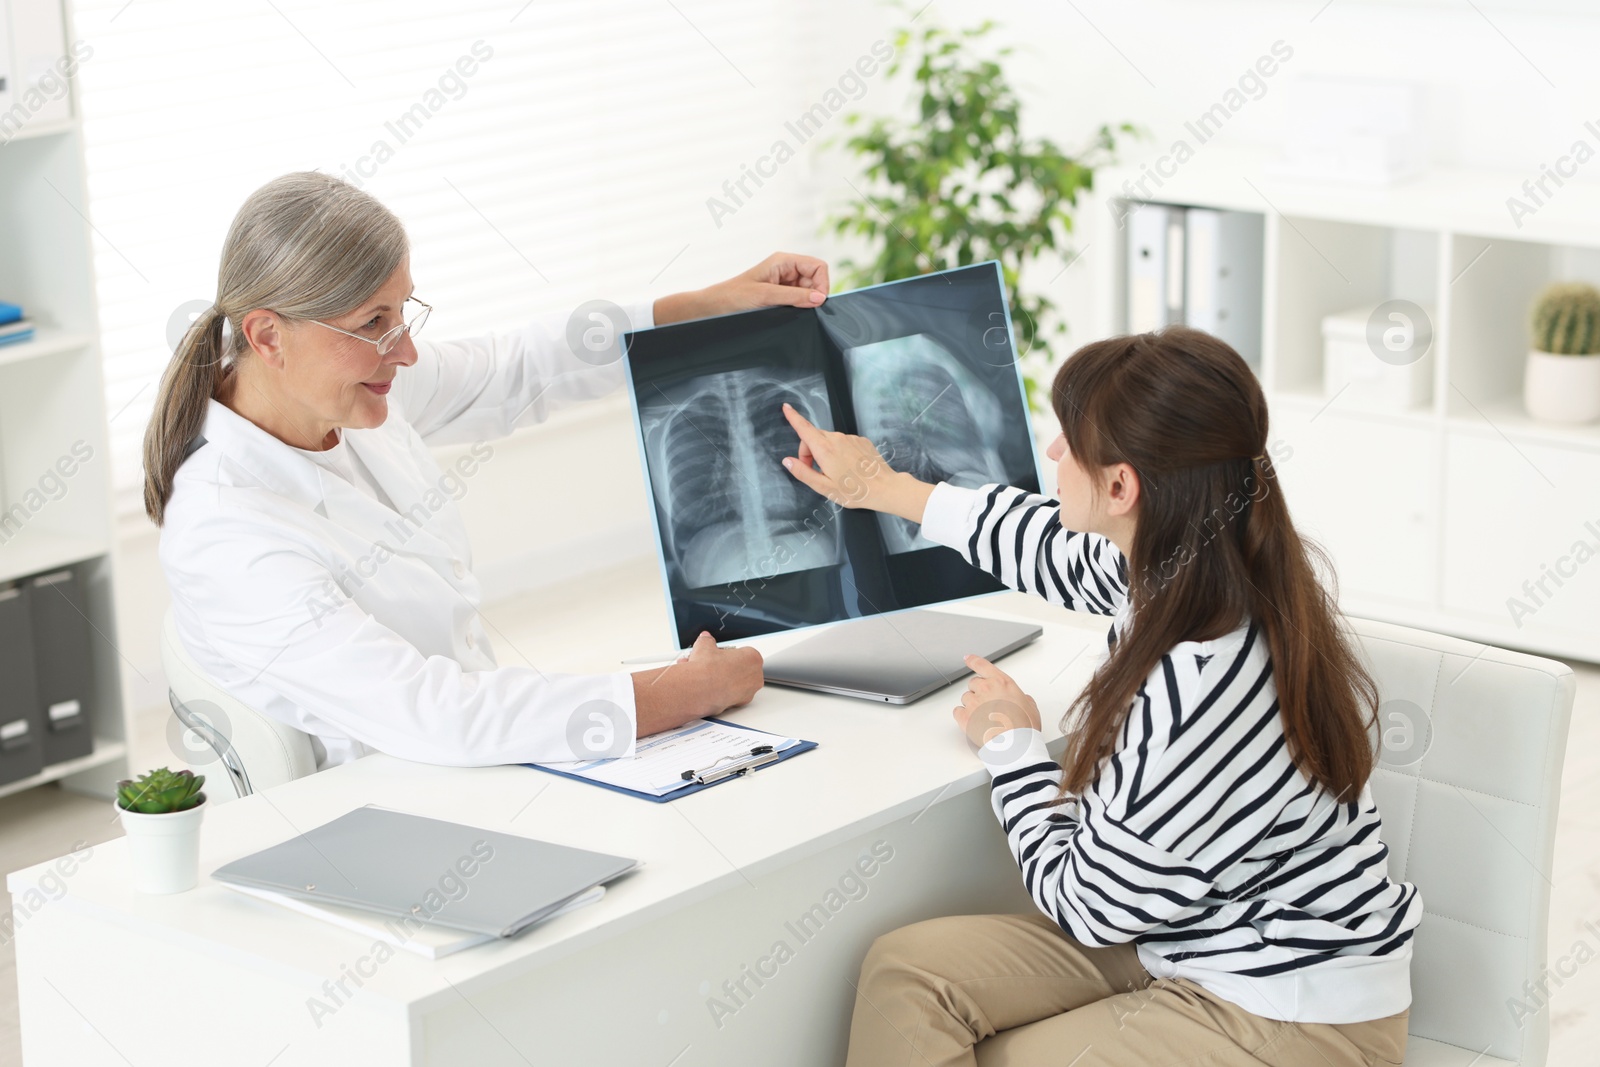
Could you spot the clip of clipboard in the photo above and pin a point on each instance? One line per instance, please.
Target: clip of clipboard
(759, 757)
(696, 779)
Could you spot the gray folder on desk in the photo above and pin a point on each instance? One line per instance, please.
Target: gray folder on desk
(425, 870)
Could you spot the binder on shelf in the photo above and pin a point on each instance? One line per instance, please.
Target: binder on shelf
(39, 50)
(1155, 267)
(63, 668)
(1223, 276)
(7, 74)
(21, 749)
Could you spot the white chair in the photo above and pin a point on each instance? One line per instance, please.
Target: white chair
(1468, 792)
(242, 751)
(1472, 824)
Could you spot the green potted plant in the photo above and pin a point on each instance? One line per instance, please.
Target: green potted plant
(1562, 383)
(957, 183)
(161, 814)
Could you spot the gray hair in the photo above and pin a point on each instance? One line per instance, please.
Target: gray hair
(307, 246)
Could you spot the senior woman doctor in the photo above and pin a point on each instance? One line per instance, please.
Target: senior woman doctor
(319, 567)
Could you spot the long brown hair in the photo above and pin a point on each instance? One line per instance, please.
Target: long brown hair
(1213, 546)
(308, 246)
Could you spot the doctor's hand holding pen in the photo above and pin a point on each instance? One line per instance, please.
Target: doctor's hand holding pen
(704, 681)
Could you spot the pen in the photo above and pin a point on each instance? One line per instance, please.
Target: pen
(760, 756)
(665, 656)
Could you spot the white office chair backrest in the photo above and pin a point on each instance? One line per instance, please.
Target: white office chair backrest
(238, 749)
(1467, 788)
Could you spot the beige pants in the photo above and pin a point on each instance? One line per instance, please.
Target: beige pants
(956, 991)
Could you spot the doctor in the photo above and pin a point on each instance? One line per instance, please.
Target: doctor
(318, 563)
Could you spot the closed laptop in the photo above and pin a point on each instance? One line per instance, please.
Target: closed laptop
(896, 658)
(420, 870)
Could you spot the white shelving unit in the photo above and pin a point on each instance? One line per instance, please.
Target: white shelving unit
(52, 398)
(1438, 515)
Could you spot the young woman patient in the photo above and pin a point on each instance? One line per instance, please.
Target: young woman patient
(1205, 855)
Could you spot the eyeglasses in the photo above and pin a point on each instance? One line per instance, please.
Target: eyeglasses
(387, 342)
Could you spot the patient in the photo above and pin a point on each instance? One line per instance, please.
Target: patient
(1205, 857)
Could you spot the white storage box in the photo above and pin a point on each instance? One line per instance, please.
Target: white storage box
(1379, 357)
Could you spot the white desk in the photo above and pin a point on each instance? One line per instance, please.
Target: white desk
(107, 976)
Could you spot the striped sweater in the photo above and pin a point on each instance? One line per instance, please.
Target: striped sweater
(1200, 840)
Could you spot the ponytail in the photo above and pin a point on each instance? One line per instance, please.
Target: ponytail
(305, 245)
(1326, 698)
(191, 378)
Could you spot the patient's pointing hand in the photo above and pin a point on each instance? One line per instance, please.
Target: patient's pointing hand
(849, 471)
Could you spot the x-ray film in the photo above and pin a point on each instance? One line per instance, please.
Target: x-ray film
(925, 367)
(728, 510)
(928, 415)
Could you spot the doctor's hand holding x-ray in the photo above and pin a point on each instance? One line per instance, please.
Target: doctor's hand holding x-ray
(317, 558)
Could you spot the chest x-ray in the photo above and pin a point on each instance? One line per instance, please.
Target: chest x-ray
(928, 415)
(728, 510)
(924, 367)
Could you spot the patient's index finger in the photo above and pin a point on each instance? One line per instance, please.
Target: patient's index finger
(802, 426)
(982, 667)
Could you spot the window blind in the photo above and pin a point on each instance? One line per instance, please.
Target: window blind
(540, 154)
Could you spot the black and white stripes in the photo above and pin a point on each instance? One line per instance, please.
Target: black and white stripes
(1019, 539)
(1200, 840)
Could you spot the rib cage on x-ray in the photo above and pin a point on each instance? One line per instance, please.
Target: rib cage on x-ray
(928, 415)
(729, 511)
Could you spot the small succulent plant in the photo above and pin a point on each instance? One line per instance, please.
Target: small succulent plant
(161, 791)
(1566, 320)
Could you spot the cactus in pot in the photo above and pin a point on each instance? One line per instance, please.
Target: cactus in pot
(1566, 320)
(1562, 381)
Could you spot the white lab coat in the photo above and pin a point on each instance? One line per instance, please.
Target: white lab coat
(315, 604)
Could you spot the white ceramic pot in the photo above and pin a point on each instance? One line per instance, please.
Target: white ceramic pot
(1562, 388)
(164, 849)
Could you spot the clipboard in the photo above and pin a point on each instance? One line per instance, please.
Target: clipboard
(717, 776)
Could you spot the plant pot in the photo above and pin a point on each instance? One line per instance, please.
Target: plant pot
(1562, 388)
(164, 849)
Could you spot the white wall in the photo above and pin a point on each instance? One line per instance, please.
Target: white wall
(1506, 88)
(1160, 63)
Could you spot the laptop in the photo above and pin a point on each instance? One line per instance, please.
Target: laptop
(424, 871)
(895, 658)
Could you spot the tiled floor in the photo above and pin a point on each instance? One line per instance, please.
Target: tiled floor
(556, 628)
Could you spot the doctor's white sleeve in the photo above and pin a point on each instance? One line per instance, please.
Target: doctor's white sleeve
(482, 388)
(296, 641)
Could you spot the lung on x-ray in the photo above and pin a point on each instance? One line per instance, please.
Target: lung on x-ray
(924, 367)
(728, 510)
(928, 415)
